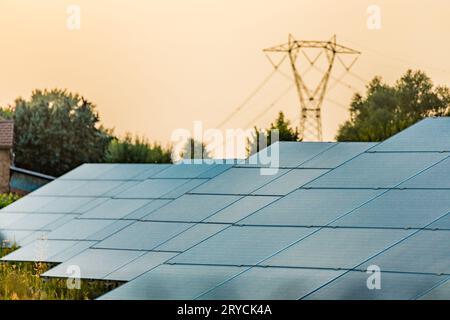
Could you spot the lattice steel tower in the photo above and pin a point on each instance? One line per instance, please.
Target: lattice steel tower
(311, 100)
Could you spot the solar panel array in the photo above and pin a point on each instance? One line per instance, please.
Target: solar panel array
(198, 231)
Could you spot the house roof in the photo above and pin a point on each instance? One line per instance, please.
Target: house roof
(310, 230)
(6, 133)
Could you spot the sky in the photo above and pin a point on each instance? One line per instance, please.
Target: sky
(152, 67)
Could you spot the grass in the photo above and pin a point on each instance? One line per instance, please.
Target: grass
(22, 280)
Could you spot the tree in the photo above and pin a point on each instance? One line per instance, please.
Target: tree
(56, 131)
(387, 110)
(285, 133)
(194, 149)
(137, 150)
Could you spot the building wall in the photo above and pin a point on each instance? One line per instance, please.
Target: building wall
(5, 162)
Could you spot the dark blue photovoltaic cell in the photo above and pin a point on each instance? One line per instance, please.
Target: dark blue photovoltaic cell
(147, 209)
(132, 172)
(271, 283)
(288, 154)
(185, 171)
(337, 155)
(394, 286)
(48, 250)
(143, 235)
(440, 292)
(80, 229)
(28, 204)
(400, 209)
(435, 177)
(140, 265)
(431, 134)
(314, 207)
(115, 208)
(337, 248)
(89, 171)
(290, 181)
(377, 170)
(425, 251)
(237, 181)
(65, 205)
(241, 209)
(443, 223)
(191, 237)
(192, 208)
(31, 221)
(173, 282)
(94, 263)
(152, 188)
(242, 245)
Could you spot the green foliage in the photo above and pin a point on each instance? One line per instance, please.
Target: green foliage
(387, 109)
(7, 198)
(7, 113)
(22, 281)
(194, 149)
(137, 150)
(285, 131)
(56, 131)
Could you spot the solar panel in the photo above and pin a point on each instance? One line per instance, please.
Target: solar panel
(12, 237)
(290, 181)
(241, 245)
(143, 235)
(199, 231)
(337, 155)
(94, 263)
(377, 170)
(290, 154)
(31, 221)
(58, 188)
(185, 171)
(424, 252)
(191, 208)
(28, 204)
(191, 237)
(142, 264)
(172, 282)
(184, 188)
(115, 209)
(147, 209)
(314, 207)
(442, 223)
(434, 177)
(241, 209)
(96, 188)
(336, 248)
(64, 205)
(394, 286)
(431, 134)
(400, 209)
(132, 172)
(271, 283)
(47, 250)
(439, 292)
(237, 181)
(152, 188)
(88, 171)
(85, 229)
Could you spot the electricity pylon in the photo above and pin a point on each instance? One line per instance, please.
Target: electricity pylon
(311, 100)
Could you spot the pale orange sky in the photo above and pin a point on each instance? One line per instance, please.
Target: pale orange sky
(155, 66)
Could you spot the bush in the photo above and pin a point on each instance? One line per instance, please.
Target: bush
(137, 150)
(7, 198)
